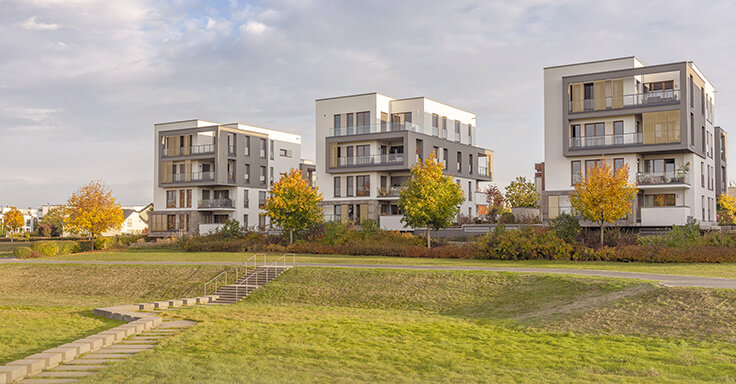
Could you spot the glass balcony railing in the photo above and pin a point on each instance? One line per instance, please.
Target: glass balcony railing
(654, 178)
(216, 203)
(193, 150)
(376, 128)
(606, 140)
(667, 96)
(359, 161)
(194, 176)
(389, 191)
(482, 171)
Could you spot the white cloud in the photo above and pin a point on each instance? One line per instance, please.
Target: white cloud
(33, 24)
(254, 27)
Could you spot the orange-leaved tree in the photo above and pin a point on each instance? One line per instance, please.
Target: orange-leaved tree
(726, 208)
(430, 199)
(92, 210)
(293, 204)
(13, 220)
(603, 195)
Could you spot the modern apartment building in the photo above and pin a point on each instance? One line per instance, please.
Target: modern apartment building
(367, 143)
(658, 120)
(206, 173)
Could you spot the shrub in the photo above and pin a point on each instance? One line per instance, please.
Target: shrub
(566, 227)
(102, 243)
(507, 218)
(68, 247)
(46, 248)
(231, 229)
(369, 226)
(85, 245)
(26, 253)
(523, 244)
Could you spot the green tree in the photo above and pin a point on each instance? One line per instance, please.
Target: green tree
(13, 220)
(55, 219)
(293, 204)
(603, 196)
(92, 210)
(522, 193)
(430, 199)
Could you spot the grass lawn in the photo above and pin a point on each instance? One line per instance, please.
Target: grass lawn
(6, 248)
(726, 270)
(355, 326)
(43, 306)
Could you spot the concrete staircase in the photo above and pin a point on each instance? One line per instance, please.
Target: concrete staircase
(256, 278)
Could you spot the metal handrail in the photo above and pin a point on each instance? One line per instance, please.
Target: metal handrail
(252, 262)
(215, 280)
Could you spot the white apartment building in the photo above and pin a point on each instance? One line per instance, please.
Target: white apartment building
(658, 120)
(30, 218)
(206, 173)
(367, 143)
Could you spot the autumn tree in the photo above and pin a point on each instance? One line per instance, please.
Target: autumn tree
(495, 201)
(522, 193)
(92, 210)
(603, 195)
(54, 219)
(726, 208)
(293, 204)
(430, 199)
(13, 220)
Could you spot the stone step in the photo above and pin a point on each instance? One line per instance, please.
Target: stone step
(48, 381)
(84, 361)
(64, 374)
(101, 355)
(78, 367)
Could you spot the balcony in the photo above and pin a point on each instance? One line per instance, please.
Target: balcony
(201, 149)
(389, 191)
(668, 96)
(677, 177)
(194, 176)
(483, 171)
(664, 216)
(361, 161)
(634, 138)
(216, 203)
(375, 128)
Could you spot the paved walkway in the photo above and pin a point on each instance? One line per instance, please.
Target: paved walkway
(667, 280)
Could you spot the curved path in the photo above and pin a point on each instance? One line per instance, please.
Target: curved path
(666, 280)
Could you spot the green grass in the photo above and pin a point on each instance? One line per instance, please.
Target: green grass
(6, 248)
(356, 326)
(726, 270)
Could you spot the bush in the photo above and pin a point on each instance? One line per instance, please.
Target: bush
(68, 247)
(85, 245)
(507, 218)
(566, 227)
(523, 244)
(46, 248)
(26, 253)
(231, 229)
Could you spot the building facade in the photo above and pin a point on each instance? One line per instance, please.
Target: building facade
(367, 143)
(658, 120)
(206, 173)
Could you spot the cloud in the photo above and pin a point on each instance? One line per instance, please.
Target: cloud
(33, 24)
(254, 27)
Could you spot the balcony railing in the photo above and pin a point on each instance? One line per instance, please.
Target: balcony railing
(389, 191)
(483, 171)
(606, 140)
(193, 150)
(231, 149)
(216, 203)
(375, 128)
(194, 176)
(668, 96)
(359, 161)
(654, 178)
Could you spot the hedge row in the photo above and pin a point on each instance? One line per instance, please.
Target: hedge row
(52, 248)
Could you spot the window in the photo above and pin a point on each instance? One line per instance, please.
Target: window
(702, 101)
(245, 221)
(710, 145)
(575, 172)
(337, 125)
(665, 167)
(702, 174)
(618, 132)
(588, 91)
(189, 198)
(351, 123)
(261, 223)
(436, 152)
(470, 163)
(231, 143)
(362, 153)
(182, 198)
(349, 189)
(444, 127)
(710, 178)
(246, 201)
(171, 223)
(384, 122)
(270, 176)
(702, 139)
(336, 190)
(263, 175)
(457, 131)
(660, 200)
(246, 174)
(470, 134)
(364, 122)
(692, 130)
(659, 86)
(337, 213)
(170, 199)
(263, 149)
(470, 191)
(618, 164)
(271, 151)
(261, 199)
(459, 162)
(445, 155)
(363, 185)
(702, 207)
(284, 152)
(246, 147)
(435, 125)
(710, 211)
(692, 91)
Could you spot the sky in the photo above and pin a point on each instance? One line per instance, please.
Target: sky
(82, 82)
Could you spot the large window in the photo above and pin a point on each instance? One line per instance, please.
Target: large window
(618, 164)
(444, 127)
(263, 149)
(349, 189)
(660, 166)
(590, 164)
(362, 153)
(246, 201)
(363, 185)
(660, 200)
(336, 188)
(457, 131)
(246, 148)
(261, 199)
(618, 132)
(263, 175)
(170, 199)
(435, 125)
(246, 174)
(459, 162)
(351, 123)
(364, 122)
(575, 171)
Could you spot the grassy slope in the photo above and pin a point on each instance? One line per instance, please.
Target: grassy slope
(42, 306)
(701, 269)
(317, 325)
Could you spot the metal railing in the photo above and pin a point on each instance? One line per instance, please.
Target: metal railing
(193, 150)
(215, 203)
(358, 161)
(674, 177)
(389, 192)
(375, 128)
(631, 138)
(253, 273)
(482, 170)
(667, 96)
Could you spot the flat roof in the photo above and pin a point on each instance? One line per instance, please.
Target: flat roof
(594, 61)
(393, 99)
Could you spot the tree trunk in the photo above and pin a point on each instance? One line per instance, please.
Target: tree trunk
(429, 243)
(291, 235)
(602, 225)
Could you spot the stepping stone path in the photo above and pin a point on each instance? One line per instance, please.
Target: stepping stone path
(90, 363)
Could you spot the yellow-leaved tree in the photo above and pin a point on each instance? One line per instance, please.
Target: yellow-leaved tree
(430, 199)
(293, 204)
(12, 221)
(92, 210)
(603, 195)
(726, 208)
